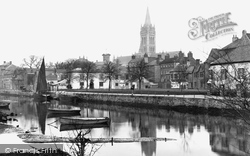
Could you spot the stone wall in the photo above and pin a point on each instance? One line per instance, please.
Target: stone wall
(148, 100)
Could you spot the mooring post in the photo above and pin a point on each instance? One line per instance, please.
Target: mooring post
(112, 141)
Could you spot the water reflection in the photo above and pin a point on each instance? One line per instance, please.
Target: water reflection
(195, 134)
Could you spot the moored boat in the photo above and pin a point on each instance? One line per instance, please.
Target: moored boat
(63, 111)
(4, 105)
(54, 114)
(84, 121)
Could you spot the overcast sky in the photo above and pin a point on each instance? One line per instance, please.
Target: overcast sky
(60, 29)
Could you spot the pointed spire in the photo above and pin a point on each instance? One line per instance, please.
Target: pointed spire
(147, 20)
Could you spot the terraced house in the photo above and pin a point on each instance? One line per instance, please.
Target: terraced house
(173, 70)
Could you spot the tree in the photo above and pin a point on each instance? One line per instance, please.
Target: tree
(138, 71)
(49, 65)
(110, 70)
(69, 65)
(87, 68)
(32, 62)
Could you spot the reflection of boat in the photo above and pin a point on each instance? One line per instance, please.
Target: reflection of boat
(63, 111)
(68, 127)
(84, 121)
(52, 114)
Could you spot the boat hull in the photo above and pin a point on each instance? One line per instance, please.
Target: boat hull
(83, 121)
(57, 115)
(60, 111)
(4, 105)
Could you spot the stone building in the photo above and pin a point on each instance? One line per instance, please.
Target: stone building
(147, 44)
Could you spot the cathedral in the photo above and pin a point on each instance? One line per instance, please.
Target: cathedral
(147, 44)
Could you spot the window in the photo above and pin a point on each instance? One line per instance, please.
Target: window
(116, 77)
(126, 83)
(196, 75)
(241, 72)
(223, 74)
(175, 76)
(116, 84)
(101, 84)
(242, 145)
(211, 74)
(224, 142)
(201, 83)
(201, 74)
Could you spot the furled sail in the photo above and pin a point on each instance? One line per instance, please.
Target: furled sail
(41, 79)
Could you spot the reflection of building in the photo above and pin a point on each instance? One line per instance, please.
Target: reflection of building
(148, 129)
(230, 140)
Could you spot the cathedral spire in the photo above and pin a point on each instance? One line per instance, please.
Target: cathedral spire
(147, 20)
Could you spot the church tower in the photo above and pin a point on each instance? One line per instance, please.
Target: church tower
(147, 44)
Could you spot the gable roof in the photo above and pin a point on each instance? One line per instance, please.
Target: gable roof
(179, 68)
(169, 60)
(236, 52)
(190, 69)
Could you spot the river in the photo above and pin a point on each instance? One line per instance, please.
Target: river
(195, 134)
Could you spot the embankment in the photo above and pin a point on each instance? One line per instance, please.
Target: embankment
(149, 100)
(16, 93)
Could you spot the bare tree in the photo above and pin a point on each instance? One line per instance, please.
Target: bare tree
(87, 68)
(69, 65)
(138, 71)
(32, 62)
(110, 70)
(50, 65)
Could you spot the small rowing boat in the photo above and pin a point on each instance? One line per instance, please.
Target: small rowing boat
(83, 121)
(4, 105)
(63, 111)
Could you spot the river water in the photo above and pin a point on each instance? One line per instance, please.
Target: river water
(195, 135)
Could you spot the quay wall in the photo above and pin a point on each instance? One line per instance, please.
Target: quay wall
(148, 100)
(16, 93)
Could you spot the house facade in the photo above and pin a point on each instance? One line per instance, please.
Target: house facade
(230, 71)
(174, 71)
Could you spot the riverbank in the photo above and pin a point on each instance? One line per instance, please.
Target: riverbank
(147, 100)
(16, 93)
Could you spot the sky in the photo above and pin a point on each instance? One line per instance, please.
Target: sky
(61, 29)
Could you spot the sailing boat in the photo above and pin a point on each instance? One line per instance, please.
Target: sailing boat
(41, 86)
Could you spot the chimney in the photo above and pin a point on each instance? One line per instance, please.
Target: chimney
(181, 54)
(197, 61)
(234, 38)
(146, 58)
(4, 62)
(106, 57)
(10, 62)
(190, 54)
(167, 56)
(158, 59)
(244, 32)
(133, 57)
